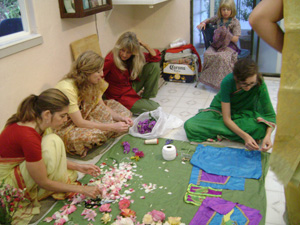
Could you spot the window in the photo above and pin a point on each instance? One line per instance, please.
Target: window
(17, 27)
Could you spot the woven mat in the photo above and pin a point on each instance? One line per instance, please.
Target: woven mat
(173, 176)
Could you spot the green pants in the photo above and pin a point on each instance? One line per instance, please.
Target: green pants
(148, 80)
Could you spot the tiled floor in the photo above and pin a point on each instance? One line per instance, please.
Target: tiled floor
(184, 100)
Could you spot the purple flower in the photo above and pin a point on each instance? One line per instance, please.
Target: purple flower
(126, 147)
(134, 150)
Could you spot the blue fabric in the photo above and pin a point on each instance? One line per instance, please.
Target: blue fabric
(236, 217)
(226, 161)
(234, 183)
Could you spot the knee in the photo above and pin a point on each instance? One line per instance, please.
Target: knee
(154, 67)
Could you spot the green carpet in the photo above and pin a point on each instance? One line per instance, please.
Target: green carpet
(173, 176)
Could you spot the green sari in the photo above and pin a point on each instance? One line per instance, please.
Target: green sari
(252, 111)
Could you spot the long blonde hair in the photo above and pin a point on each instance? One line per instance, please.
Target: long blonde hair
(31, 108)
(86, 64)
(227, 4)
(129, 41)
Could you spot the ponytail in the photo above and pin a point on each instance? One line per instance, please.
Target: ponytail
(32, 107)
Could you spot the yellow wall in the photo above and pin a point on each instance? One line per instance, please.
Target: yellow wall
(40, 67)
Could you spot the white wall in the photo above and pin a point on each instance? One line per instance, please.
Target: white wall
(40, 67)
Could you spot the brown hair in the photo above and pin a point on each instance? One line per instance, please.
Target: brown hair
(32, 107)
(86, 64)
(245, 68)
(227, 4)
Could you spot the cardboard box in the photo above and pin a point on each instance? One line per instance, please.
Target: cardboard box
(179, 72)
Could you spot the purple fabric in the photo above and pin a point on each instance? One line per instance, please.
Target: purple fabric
(221, 206)
(213, 178)
(209, 191)
(222, 38)
(212, 192)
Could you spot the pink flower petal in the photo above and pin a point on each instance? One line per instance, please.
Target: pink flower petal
(48, 219)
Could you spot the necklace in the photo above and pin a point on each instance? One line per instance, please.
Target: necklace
(226, 23)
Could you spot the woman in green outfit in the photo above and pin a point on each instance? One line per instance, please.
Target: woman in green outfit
(241, 111)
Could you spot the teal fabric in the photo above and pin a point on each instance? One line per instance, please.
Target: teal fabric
(153, 169)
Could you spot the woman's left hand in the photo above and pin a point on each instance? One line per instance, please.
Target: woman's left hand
(266, 144)
(128, 121)
(90, 169)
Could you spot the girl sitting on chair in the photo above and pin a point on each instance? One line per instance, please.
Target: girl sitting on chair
(220, 57)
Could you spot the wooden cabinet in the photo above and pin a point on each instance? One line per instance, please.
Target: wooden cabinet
(137, 2)
(82, 8)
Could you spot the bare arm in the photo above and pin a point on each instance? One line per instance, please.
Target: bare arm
(38, 172)
(267, 143)
(235, 39)
(263, 20)
(90, 169)
(80, 122)
(118, 117)
(202, 25)
(250, 143)
(148, 48)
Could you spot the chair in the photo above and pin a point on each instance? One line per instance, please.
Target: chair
(208, 34)
(10, 26)
(84, 44)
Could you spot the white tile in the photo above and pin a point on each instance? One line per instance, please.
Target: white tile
(166, 101)
(272, 183)
(275, 207)
(184, 113)
(191, 102)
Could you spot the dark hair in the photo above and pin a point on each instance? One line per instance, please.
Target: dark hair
(245, 68)
(32, 107)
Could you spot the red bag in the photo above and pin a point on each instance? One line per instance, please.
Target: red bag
(183, 47)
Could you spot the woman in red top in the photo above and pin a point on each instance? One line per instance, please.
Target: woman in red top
(131, 81)
(39, 164)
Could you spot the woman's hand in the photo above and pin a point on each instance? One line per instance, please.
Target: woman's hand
(119, 127)
(250, 143)
(128, 121)
(266, 144)
(201, 26)
(90, 169)
(91, 191)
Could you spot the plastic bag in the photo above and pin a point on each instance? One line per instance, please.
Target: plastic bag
(164, 123)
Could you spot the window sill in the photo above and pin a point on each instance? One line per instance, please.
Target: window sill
(20, 43)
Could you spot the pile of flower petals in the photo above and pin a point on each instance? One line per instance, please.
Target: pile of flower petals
(113, 180)
(149, 187)
(61, 216)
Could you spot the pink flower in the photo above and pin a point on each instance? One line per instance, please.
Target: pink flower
(61, 221)
(123, 204)
(139, 154)
(127, 213)
(69, 210)
(105, 208)
(89, 214)
(157, 215)
(48, 219)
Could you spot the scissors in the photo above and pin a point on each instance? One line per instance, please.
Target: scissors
(90, 203)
